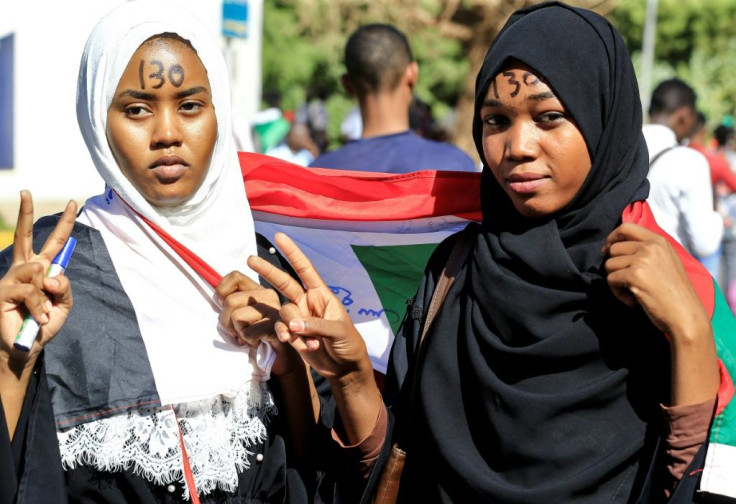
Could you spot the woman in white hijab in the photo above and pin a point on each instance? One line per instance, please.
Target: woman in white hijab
(158, 378)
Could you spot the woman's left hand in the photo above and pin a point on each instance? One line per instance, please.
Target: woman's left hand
(249, 312)
(644, 269)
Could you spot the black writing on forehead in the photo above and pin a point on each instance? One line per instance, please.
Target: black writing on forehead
(158, 76)
(495, 89)
(528, 76)
(513, 82)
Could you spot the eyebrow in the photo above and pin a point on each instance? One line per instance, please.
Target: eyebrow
(547, 95)
(139, 95)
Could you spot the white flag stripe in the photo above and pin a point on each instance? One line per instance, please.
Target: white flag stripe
(719, 473)
(331, 252)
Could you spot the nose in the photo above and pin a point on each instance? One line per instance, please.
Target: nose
(166, 130)
(521, 142)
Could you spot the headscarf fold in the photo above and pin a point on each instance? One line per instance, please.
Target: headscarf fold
(542, 396)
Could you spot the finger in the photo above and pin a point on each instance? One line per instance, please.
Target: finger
(265, 302)
(253, 334)
(58, 237)
(285, 336)
(235, 281)
(618, 263)
(60, 290)
(280, 280)
(619, 285)
(292, 317)
(23, 237)
(628, 231)
(26, 295)
(245, 316)
(301, 264)
(26, 273)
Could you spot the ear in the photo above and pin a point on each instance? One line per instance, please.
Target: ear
(412, 74)
(346, 85)
(682, 122)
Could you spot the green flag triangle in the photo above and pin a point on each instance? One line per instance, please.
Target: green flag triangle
(395, 271)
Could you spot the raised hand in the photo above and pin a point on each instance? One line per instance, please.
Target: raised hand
(318, 327)
(315, 322)
(644, 269)
(25, 289)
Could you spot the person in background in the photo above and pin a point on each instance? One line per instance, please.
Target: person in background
(681, 194)
(381, 75)
(723, 181)
(269, 126)
(298, 146)
(723, 136)
(351, 126)
(313, 112)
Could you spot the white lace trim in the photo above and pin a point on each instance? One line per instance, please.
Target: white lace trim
(217, 434)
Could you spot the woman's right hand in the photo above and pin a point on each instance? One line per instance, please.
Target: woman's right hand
(25, 289)
(315, 322)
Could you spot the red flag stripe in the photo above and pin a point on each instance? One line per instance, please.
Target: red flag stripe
(640, 213)
(211, 276)
(283, 188)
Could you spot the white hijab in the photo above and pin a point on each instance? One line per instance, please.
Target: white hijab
(191, 356)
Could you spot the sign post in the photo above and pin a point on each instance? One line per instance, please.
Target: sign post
(235, 18)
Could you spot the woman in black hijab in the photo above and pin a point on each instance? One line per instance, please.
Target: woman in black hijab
(543, 373)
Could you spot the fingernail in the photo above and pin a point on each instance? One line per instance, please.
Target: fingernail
(297, 326)
(43, 319)
(312, 344)
(48, 305)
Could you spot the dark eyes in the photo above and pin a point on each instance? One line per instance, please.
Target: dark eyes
(551, 117)
(135, 111)
(496, 120)
(191, 107)
(140, 111)
(543, 119)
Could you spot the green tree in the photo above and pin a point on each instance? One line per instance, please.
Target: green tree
(449, 39)
(695, 41)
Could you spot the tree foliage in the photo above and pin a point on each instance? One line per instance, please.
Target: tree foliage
(695, 41)
(303, 44)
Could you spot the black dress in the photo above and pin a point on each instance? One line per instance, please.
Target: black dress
(30, 468)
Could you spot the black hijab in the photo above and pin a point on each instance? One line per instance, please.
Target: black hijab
(535, 383)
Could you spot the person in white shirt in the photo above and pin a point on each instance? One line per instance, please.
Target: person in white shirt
(681, 195)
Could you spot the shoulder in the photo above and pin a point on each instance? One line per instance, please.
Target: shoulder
(686, 157)
(680, 162)
(336, 158)
(445, 155)
(438, 260)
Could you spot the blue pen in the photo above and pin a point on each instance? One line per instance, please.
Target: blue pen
(29, 329)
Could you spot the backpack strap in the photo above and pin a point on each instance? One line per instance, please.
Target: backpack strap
(660, 154)
(455, 261)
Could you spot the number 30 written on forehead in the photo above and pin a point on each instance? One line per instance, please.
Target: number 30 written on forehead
(175, 74)
(528, 78)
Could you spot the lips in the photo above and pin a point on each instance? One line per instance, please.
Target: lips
(525, 183)
(169, 168)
